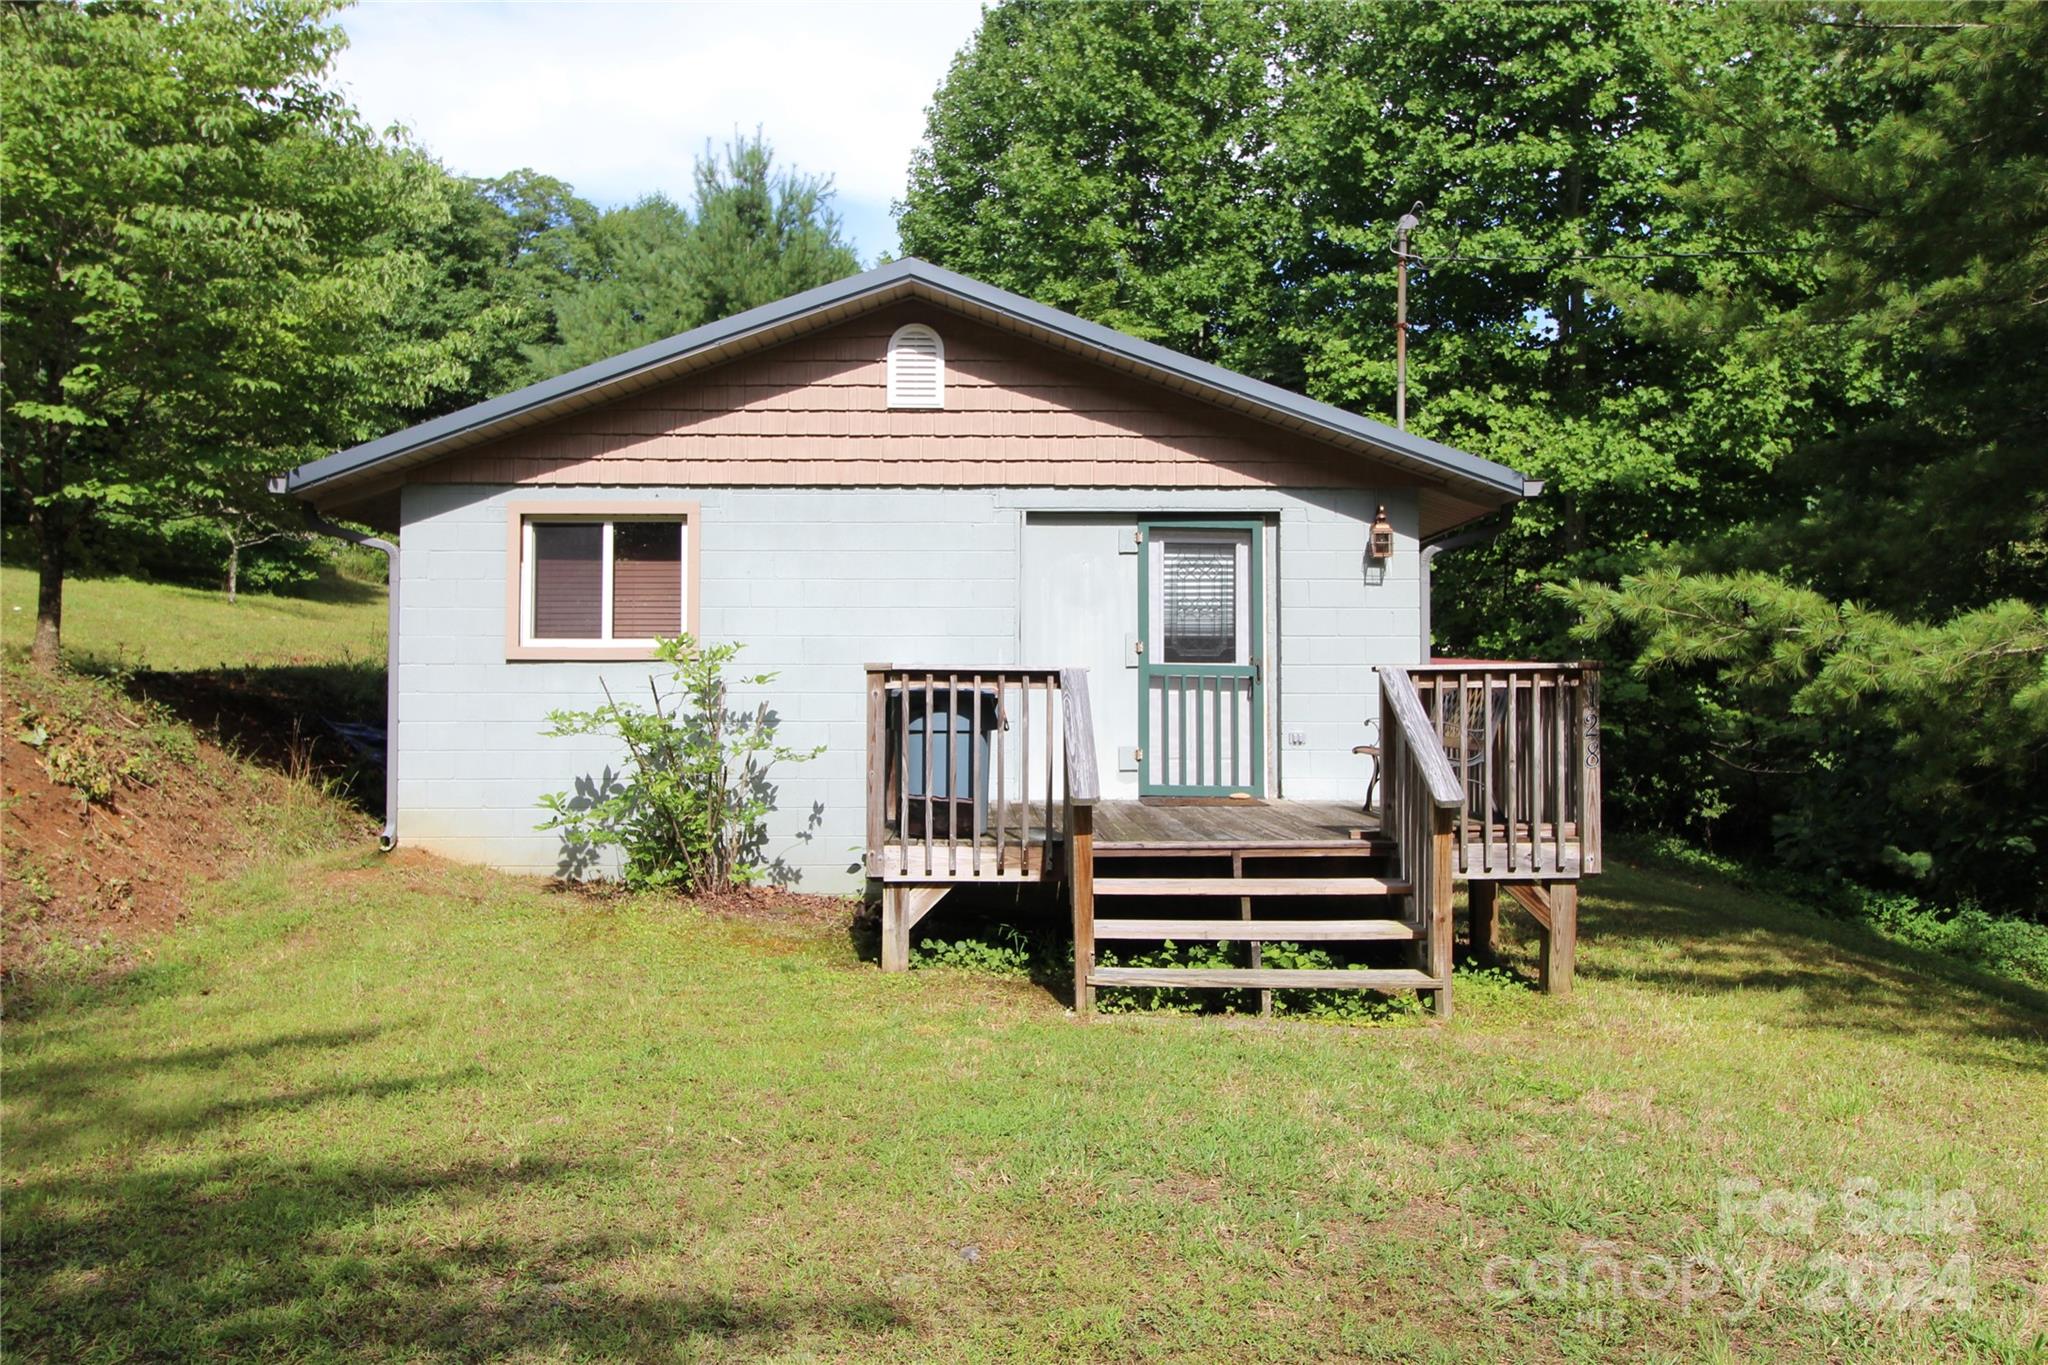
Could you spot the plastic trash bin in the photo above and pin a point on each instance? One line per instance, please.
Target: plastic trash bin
(947, 744)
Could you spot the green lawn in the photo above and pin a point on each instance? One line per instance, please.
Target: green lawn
(127, 622)
(394, 1109)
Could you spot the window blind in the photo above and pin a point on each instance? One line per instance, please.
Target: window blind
(568, 581)
(647, 579)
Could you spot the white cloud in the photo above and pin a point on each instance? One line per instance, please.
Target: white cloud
(618, 99)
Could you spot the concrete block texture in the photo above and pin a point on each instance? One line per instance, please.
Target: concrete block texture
(815, 583)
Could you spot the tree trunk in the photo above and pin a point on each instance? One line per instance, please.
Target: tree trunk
(46, 653)
(234, 567)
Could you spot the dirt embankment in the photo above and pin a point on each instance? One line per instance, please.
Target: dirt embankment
(111, 809)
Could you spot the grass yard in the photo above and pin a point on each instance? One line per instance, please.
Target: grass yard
(354, 1107)
(393, 1109)
(266, 676)
(127, 623)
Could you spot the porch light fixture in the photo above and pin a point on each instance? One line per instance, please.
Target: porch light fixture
(1380, 543)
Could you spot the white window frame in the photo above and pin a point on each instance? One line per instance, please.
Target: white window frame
(521, 643)
(938, 399)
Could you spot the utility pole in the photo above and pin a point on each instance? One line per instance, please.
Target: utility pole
(1409, 222)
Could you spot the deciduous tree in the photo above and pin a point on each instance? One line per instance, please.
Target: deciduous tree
(199, 259)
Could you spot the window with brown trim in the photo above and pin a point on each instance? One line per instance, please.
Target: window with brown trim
(597, 583)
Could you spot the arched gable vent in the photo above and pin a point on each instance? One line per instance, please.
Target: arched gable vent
(917, 368)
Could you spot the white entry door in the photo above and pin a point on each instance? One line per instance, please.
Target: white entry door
(1079, 604)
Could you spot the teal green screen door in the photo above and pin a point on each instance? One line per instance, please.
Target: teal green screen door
(1201, 688)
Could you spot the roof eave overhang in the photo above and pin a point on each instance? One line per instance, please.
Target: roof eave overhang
(360, 469)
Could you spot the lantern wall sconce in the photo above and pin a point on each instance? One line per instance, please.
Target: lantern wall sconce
(1379, 548)
(1381, 543)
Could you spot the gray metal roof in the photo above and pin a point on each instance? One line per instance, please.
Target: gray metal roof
(909, 277)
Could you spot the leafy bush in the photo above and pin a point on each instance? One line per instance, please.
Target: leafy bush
(2003, 944)
(1005, 950)
(1010, 954)
(1352, 1006)
(691, 810)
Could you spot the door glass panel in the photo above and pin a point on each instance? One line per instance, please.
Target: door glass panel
(1198, 602)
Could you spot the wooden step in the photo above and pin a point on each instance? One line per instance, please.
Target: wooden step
(1250, 886)
(1255, 930)
(1340, 848)
(1265, 978)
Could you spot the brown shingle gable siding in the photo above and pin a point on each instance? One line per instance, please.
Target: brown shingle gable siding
(815, 411)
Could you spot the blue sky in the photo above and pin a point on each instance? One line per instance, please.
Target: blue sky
(618, 99)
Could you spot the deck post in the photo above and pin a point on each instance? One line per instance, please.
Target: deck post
(1484, 906)
(1440, 924)
(1561, 940)
(902, 907)
(877, 765)
(1083, 790)
(895, 929)
(1589, 746)
(1081, 892)
(1555, 908)
(1258, 949)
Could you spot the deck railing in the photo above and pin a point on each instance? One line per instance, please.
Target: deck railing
(964, 774)
(1524, 742)
(1419, 805)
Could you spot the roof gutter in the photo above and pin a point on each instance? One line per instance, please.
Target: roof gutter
(387, 838)
(1448, 542)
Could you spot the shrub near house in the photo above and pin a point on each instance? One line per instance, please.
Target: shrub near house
(690, 811)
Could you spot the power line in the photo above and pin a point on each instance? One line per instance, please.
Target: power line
(1726, 253)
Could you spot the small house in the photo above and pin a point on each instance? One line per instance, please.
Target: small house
(1047, 595)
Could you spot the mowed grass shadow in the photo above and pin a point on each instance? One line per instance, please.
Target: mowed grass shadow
(123, 1099)
(248, 1257)
(244, 1252)
(1704, 938)
(289, 681)
(294, 718)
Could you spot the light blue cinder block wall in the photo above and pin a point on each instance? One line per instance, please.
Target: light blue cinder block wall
(816, 583)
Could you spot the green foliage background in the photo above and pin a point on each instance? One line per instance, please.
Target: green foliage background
(214, 271)
(1760, 292)
(1757, 291)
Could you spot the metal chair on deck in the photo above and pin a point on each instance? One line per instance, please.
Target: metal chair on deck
(1372, 751)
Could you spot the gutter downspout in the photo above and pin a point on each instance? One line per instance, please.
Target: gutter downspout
(387, 838)
(1459, 540)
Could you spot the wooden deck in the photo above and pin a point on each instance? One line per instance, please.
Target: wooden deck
(1171, 828)
(1316, 829)
(1494, 783)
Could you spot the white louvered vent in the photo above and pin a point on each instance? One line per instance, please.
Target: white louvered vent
(917, 368)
